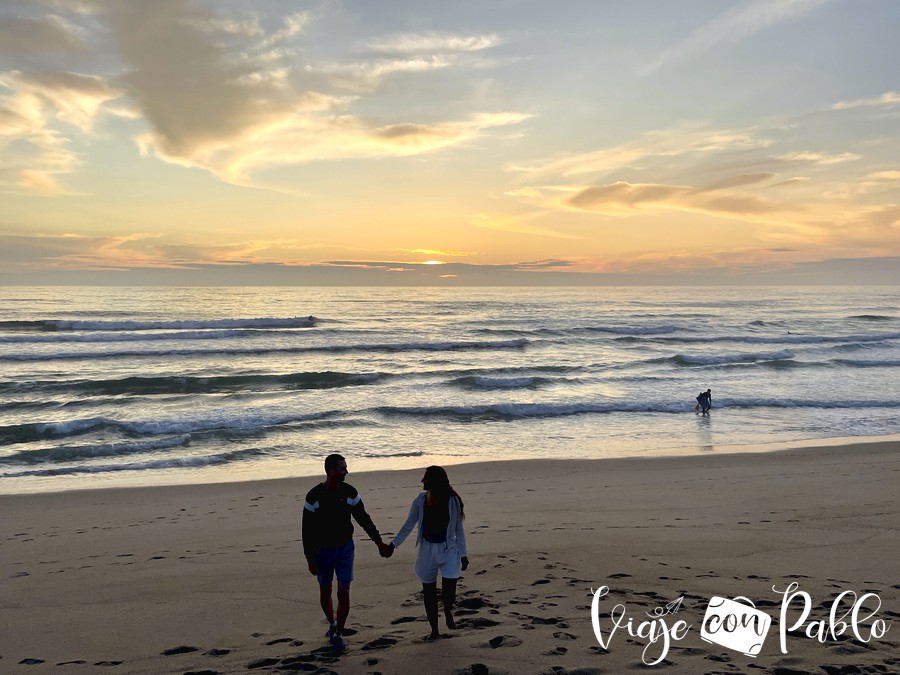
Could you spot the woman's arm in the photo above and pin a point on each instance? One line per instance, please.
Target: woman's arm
(460, 532)
(411, 521)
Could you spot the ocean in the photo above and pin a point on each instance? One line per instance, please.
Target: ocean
(106, 387)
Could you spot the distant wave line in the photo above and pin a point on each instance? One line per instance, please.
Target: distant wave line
(74, 325)
(144, 336)
(155, 464)
(382, 347)
(789, 339)
(174, 384)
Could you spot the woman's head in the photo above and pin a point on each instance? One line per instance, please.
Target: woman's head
(436, 479)
(438, 489)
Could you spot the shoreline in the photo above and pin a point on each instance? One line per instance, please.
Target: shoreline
(123, 575)
(411, 465)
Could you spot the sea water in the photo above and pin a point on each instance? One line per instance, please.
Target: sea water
(148, 386)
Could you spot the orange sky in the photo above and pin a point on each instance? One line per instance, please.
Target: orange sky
(593, 142)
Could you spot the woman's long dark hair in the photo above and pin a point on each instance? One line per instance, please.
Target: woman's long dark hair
(440, 490)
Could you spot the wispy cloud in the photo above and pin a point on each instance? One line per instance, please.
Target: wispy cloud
(28, 36)
(736, 24)
(658, 143)
(438, 252)
(623, 198)
(432, 43)
(35, 111)
(818, 157)
(518, 225)
(889, 98)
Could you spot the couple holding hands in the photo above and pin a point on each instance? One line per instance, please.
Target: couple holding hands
(329, 550)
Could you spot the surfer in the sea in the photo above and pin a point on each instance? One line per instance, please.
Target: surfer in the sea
(704, 401)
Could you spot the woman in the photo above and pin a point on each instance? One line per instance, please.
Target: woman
(442, 543)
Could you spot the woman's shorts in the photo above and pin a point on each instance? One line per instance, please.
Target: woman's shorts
(434, 557)
(336, 561)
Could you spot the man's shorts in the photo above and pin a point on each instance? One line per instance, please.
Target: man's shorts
(335, 561)
(433, 557)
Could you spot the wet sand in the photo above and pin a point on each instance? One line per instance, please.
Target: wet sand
(211, 578)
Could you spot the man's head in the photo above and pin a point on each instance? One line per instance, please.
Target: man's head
(335, 468)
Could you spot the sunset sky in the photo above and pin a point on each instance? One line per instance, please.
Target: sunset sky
(420, 142)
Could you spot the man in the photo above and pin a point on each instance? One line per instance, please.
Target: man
(328, 540)
(705, 400)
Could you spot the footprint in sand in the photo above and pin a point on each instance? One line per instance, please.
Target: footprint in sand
(279, 641)
(183, 649)
(478, 622)
(556, 651)
(261, 663)
(503, 641)
(379, 643)
(474, 603)
(548, 621)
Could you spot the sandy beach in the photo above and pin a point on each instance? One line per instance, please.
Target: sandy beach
(211, 578)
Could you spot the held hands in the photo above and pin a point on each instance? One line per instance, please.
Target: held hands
(386, 550)
(464, 563)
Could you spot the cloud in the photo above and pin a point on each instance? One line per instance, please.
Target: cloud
(442, 253)
(818, 157)
(235, 112)
(794, 180)
(740, 180)
(35, 109)
(879, 181)
(293, 24)
(146, 259)
(622, 198)
(538, 265)
(518, 225)
(889, 98)
(138, 250)
(882, 219)
(218, 92)
(432, 43)
(658, 143)
(736, 24)
(26, 36)
(72, 251)
(241, 27)
(367, 76)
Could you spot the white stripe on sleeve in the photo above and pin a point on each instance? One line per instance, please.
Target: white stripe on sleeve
(312, 508)
(353, 501)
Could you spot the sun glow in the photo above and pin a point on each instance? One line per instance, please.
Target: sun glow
(434, 262)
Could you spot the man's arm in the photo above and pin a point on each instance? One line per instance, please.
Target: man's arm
(310, 532)
(361, 516)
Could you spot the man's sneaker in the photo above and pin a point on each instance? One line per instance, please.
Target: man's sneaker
(330, 632)
(337, 642)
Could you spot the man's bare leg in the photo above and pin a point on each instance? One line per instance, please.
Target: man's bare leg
(343, 609)
(325, 601)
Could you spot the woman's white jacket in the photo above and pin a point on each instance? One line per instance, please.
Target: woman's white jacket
(455, 535)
